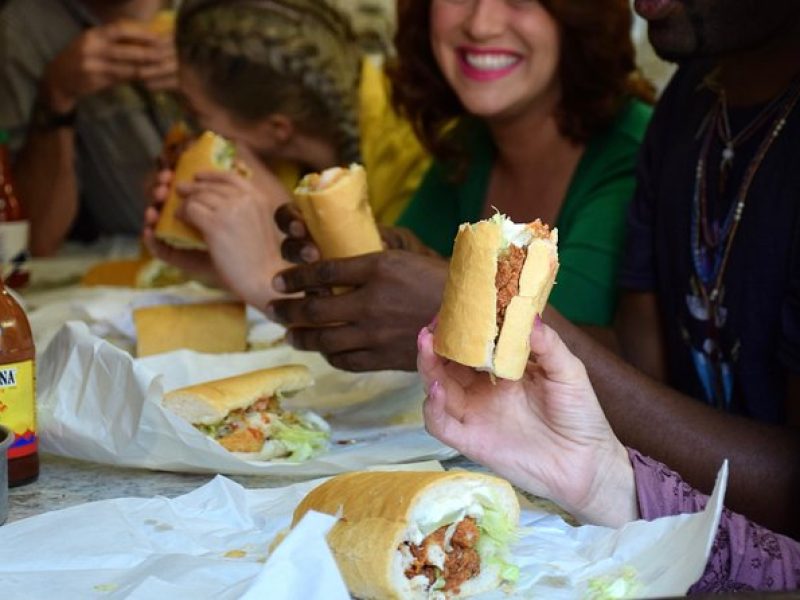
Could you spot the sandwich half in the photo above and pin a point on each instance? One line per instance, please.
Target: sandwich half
(500, 277)
(211, 327)
(336, 210)
(243, 414)
(419, 535)
(209, 152)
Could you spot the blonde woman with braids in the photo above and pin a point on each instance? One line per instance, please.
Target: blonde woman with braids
(286, 80)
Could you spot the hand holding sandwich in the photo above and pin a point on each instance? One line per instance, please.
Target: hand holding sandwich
(371, 326)
(107, 55)
(299, 248)
(546, 432)
(235, 220)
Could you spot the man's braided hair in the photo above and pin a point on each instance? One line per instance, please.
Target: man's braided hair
(260, 57)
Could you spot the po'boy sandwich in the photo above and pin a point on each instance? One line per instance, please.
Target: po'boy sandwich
(501, 274)
(335, 207)
(243, 414)
(162, 23)
(419, 535)
(209, 152)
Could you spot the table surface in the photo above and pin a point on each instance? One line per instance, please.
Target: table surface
(65, 482)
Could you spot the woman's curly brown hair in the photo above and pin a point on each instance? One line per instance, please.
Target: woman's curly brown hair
(597, 70)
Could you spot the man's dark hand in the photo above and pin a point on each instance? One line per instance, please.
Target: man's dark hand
(372, 325)
(299, 248)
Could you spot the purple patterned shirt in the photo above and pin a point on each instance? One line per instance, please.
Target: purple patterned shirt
(744, 556)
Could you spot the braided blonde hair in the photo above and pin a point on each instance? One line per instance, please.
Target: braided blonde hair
(260, 57)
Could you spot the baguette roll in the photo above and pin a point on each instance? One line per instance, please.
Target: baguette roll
(210, 327)
(419, 535)
(162, 23)
(243, 413)
(335, 207)
(209, 152)
(501, 274)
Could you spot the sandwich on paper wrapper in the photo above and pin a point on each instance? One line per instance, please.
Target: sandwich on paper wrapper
(243, 414)
(419, 535)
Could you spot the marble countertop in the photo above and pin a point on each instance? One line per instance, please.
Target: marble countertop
(65, 482)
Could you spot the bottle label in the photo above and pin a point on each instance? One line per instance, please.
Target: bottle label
(17, 406)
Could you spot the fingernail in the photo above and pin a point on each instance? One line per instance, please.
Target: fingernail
(432, 325)
(537, 322)
(309, 254)
(297, 229)
(421, 335)
(278, 284)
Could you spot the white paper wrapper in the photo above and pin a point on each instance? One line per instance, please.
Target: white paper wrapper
(159, 548)
(96, 402)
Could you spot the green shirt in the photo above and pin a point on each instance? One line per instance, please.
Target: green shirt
(591, 225)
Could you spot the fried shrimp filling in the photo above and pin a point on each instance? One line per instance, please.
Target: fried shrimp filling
(509, 270)
(447, 557)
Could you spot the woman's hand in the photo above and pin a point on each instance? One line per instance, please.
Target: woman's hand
(235, 220)
(373, 324)
(546, 433)
(195, 263)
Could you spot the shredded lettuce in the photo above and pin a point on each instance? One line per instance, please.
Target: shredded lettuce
(609, 587)
(300, 440)
(225, 155)
(498, 530)
(438, 584)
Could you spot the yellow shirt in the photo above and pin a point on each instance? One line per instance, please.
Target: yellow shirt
(393, 157)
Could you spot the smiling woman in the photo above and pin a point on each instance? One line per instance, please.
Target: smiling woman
(533, 108)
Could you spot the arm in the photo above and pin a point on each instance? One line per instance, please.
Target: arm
(45, 172)
(638, 328)
(744, 556)
(694, 438)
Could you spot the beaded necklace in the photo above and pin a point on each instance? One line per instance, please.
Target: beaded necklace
(708, 241)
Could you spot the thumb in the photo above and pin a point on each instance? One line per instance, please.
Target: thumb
(552, 355)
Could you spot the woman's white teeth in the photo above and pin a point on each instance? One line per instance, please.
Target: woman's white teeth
(490, 62)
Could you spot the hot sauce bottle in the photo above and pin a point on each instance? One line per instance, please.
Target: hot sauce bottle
(18, 389)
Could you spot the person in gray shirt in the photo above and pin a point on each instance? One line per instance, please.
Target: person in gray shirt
(83, 95)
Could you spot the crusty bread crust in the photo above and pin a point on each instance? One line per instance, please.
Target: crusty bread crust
(466, 331)
(210, 402)
(339, 216)
(121, 272)
(197, 158)
(375, 510)
(467, 324)
(163, 23)
(213, 327)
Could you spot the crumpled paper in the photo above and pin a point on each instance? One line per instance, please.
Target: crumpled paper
(211, 543)
(96, 402)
